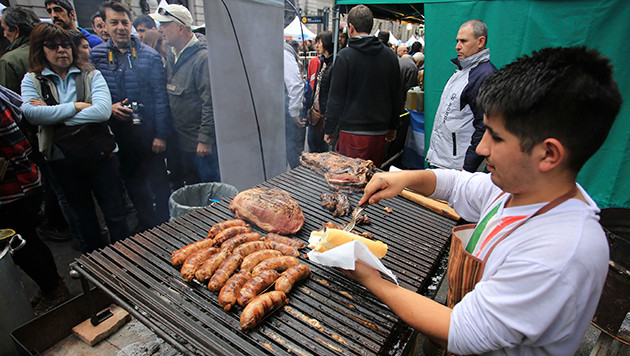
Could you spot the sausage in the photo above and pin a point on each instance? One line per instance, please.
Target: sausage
(295, 243)
(227, 295)
(276, 263)
(256, 311)
(206, 270)
(292, 276)
(194, 261)
(220, 226)
(179, 257)
(232, 243)
(256, 285)
(250, 247)
(255, 258)
(285, 249)
(229, 233)
(224, 272)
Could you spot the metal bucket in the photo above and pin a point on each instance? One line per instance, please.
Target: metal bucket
(14, 305)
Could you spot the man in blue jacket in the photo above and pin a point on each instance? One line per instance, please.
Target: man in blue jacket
(62, 14)
(141, 118)
(458, 125)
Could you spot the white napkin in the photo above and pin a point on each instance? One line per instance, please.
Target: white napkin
(346, 255)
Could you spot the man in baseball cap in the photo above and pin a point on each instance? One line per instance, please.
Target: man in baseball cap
(173, 12)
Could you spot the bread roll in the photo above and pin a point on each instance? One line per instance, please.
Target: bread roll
(327, 239)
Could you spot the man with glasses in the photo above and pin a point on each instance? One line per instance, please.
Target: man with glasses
(62, 14)
(188, 86)
(141, 116)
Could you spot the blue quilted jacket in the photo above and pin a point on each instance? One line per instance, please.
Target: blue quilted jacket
(139, 78)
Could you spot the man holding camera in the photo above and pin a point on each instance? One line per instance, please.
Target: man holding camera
(141, 118)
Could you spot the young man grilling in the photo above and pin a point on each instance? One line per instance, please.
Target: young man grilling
(538, 253)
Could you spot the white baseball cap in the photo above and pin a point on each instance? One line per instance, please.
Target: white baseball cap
(173, 12)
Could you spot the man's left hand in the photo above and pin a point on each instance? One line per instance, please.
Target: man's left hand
(159, 145)
(203, 149)
(299, 122)
(390, 136)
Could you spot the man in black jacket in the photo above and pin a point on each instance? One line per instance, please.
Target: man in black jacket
(364, 100)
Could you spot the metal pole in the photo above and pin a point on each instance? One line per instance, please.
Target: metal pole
(335, 33)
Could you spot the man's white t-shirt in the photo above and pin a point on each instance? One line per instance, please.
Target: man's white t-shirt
(540, 286)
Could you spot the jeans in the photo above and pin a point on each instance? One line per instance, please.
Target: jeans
(68, 212)
(79, 181)
(201, 169)
(315, 139)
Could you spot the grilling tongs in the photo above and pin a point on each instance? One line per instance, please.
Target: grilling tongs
(355, 213)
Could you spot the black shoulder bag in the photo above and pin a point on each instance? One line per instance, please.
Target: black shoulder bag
(79, 143)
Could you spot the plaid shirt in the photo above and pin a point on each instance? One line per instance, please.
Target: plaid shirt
(22, 176)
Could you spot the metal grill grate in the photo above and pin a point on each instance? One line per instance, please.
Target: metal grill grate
(327, 315)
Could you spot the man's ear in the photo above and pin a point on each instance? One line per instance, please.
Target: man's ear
(72, 15)
(351, 28)
(552, 154)
(482, 41)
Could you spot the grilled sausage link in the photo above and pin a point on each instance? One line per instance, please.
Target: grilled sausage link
(255, 258)
(292, 276)
(229, 233)
(232, 243)
(224, 272)
(295, 243)
(179, 257)
(220, 226)
(256, 311)
(276, 263)
(206, 270)
(285, 249)
(250, 247)
(227, 295)
(194, 261)
(255, 285)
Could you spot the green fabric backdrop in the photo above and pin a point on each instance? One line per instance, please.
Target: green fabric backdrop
(518, 27)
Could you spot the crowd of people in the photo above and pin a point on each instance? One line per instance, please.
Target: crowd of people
(98, 129)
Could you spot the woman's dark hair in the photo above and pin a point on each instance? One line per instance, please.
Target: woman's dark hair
(327, 41)
(47, 32)
(77, 36)
(20, 18)
(153, 39)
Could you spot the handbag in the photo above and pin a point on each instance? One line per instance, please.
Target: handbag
(85, 142)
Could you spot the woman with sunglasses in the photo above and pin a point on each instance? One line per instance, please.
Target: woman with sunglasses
(56, 71)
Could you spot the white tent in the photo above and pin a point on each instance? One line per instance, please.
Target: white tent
(292, 32)
(415, 39)
(392, 39)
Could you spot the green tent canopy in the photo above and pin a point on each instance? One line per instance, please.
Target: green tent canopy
(518, 27)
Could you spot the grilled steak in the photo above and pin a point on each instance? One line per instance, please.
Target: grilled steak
(270, 209)
(342, 173)
(336, 202)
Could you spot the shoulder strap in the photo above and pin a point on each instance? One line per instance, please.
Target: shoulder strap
(83, 86)
(44, 88)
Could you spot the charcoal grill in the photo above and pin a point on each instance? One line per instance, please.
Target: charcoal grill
(328, 314)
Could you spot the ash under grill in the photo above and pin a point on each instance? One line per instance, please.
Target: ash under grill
(326, 315)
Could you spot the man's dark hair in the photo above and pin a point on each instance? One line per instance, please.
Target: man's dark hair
(63, 3)
(416, 47)
(20, 18)
(97, 14)
(145, 20)
(361, 18)
(114, 5)
(326, 37)
(564, 93)
(383, 36)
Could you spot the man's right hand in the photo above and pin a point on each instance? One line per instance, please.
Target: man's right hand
(120, 112)
(383, 185)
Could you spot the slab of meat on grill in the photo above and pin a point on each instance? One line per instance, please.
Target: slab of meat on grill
(342, 173)
(336, 202)
(272, 210)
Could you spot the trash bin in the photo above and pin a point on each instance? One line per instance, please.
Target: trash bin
(196, 196)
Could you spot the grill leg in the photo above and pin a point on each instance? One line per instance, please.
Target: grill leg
(95, 318)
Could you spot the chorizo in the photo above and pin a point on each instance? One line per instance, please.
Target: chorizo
(250, 247)
(229, 233)
(232, 243)
(256, 311)
(227, 295)
(292, 276)
(221, 275)
(179, 257)
(255, 258)
(295, 243)
(285, 249)
(256, 285)
(220, 226)
(206, 270)
(194, 261)
(281, 263)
